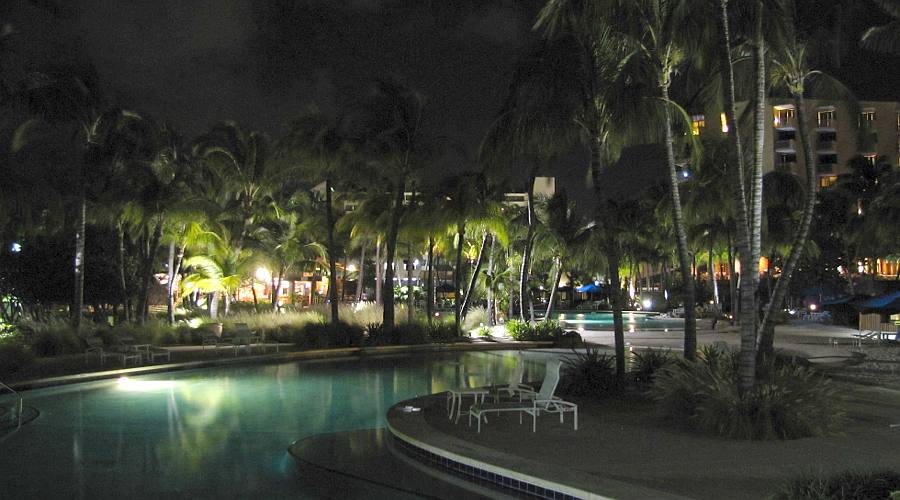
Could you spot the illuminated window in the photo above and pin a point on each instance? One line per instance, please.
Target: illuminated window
(827, 180)
(866, 117)
(871, 159)
(898, 120)
(783, 116)
(825, 117)
(724, 123)
(698, 123)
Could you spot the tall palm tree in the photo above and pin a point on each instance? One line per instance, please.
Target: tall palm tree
(394, 136)
(71, 96)
(241, 159)
(317, 143)
(564, 231)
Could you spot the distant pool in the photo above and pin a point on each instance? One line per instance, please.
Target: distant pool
(219, 432)
(632, 320)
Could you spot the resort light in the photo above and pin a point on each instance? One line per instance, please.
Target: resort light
(262, 274)
(16, 247)
(812, 307)
(647, 303)
(351, 268)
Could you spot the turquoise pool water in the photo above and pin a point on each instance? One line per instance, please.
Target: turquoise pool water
(632, 320)
(221, 432)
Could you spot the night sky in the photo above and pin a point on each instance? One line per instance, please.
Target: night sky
(259, 62)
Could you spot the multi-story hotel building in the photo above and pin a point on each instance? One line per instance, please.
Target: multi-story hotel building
(837, 132)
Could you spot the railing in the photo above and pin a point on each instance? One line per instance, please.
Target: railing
(15, 411)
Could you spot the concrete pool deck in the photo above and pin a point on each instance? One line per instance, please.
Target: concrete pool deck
(622, 450)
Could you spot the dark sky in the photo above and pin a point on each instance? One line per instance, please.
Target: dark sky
(259, 62)
(196, 62)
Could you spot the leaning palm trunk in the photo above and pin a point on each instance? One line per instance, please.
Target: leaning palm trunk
(170, 284)
(362, 272)
(684, 258)
(556, 278)
(123, 288)
(78, 299)
(767, 332)
(332, 255)
(393, 230)
(473, 280)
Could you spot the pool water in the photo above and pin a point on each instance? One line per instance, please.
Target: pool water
(220, 432)
(632, 321)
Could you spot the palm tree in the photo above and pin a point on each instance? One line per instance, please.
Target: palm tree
(563, 232)
(284, 236)
(71, 96)
(316, 142)
(393, 131)
(885, 38)
(240, 159)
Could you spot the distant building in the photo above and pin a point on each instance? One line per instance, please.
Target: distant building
(836, 132)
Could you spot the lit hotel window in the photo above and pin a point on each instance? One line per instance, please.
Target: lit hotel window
(825, 118)
(827, 180)
(698, 123)
(871, 159)
(724, 123)
(783, 115)
(867, 117)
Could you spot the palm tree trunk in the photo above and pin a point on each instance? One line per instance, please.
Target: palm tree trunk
(615, 290)
(556, 278)
(492, 313)
(457, 271)
(147, 270)
(360, 277)
(524, 292)
(684, 258)
(170, 284)
(473, 280)
(393, 230)
(379, 273)
(767, 333)
(410, 296)
(429, 281)
(213, 305)
(78, 298)
(332, 255)
(123, 288)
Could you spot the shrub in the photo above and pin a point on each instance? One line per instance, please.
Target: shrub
(518, 329)
(484, 332)
(588, 373)
(792, 402)
(52, 337)
(442, 332)
(648, 362)
(377, 335)
(850, 485)
(324, 335)
(547, 330)
(410, 333)
(13, 357)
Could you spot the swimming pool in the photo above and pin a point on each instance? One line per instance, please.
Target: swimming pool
(632, 320)
(219, 432)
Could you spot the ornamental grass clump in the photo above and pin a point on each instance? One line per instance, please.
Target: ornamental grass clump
(588, 373)
(848, 485)
(648, 362)
(789, 402)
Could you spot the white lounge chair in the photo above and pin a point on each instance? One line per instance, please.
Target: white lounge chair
(531, 403)
(243, 336)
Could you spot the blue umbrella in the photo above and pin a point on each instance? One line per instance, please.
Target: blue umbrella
(589, 288)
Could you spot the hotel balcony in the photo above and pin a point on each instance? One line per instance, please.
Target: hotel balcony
(785, 146)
